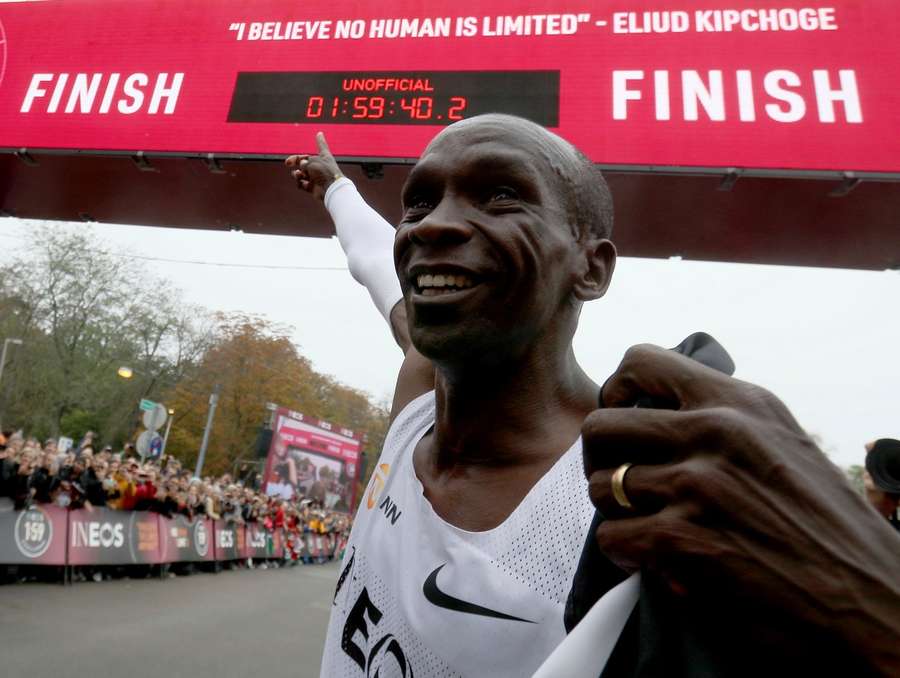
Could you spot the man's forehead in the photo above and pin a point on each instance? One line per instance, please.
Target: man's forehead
(488, 138)
(481, 156)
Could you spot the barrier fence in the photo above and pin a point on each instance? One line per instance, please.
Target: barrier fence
(49, 535)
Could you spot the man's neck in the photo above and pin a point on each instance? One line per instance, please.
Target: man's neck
(509, 415)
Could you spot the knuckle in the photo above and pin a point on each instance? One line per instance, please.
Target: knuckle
(607, 536)
(719, 426)
(669, 532)
(686, 478)
(598, 487)
(593, 424)
(638, 354)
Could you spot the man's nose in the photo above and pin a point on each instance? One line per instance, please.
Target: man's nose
(444, 225)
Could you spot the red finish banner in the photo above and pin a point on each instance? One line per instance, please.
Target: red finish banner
(811, 85)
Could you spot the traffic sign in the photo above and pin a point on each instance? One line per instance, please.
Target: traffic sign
(149, 444)
(156, 417)
(147, 405)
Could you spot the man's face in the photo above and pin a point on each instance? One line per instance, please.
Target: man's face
(484, 251)
(883, 502)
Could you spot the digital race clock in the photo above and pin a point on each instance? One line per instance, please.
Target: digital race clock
(394, 97)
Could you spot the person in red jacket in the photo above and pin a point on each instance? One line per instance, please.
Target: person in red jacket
(278, 521)
(145, 492)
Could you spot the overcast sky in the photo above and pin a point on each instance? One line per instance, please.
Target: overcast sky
(825, 341)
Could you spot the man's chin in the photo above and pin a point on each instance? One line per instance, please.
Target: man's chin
(464, 348)
(447, 344)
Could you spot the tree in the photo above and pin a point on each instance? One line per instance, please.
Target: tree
(84, 311)
(855, 476)
(255, 362)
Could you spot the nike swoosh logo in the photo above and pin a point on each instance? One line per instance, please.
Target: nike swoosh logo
(437, 597)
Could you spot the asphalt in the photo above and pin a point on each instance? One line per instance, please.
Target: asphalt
(236, 623)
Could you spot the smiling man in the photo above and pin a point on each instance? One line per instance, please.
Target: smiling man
(453, 567)
(464, 549)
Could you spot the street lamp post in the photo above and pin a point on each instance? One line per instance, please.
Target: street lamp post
(166, 434)
(213, 401)
(6, 343)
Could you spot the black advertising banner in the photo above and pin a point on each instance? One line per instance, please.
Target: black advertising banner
(182, 540)
(260, 543)
(34, 536)
(101, 536)
(229, 541)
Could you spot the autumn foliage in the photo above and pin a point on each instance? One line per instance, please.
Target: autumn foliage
(254, 362)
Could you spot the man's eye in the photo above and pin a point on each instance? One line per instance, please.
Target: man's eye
(416, 208)
(419, 204)
(503, 194)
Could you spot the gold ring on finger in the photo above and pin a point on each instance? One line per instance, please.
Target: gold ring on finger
(618, 486)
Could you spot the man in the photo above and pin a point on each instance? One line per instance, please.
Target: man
(464, 548)
(882, 478)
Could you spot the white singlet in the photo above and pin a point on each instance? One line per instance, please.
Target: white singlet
(418, 597)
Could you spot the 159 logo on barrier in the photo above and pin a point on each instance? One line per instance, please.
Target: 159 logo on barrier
(201, 539)
(34, 531)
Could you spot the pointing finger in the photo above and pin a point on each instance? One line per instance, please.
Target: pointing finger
(324, 151)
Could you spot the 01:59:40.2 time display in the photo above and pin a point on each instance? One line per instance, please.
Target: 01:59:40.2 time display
(371, 108)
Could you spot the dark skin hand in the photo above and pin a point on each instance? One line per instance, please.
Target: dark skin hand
(736, 507)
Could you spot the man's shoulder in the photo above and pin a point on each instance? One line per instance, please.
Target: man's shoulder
(417, 414)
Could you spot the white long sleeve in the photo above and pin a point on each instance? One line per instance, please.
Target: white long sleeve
(368, 241)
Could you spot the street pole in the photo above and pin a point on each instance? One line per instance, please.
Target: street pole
(6, 344)
(213, 401)
(166, 434)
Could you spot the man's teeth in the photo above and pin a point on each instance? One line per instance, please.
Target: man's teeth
(437, 283)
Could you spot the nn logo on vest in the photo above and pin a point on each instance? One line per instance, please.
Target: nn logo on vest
(376, 485)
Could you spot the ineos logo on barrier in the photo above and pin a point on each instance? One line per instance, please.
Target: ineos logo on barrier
(225, 539)
(34, 531)
(98, 535)
(257, 539)
(201, 539)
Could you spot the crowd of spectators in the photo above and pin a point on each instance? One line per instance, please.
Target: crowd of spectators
(85, 478)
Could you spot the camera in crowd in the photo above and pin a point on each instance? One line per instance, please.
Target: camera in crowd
(882, 479)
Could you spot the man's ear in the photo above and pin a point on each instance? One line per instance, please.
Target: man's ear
(598, 264)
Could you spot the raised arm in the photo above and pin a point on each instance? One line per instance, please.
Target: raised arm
(368, 241)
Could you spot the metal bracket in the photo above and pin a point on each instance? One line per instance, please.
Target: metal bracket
(140, 161)
(26, 157)
(373, 170)
(729, 180)
(843, 189)
(213, 164)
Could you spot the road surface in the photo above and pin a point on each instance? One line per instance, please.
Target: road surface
(241, 623)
